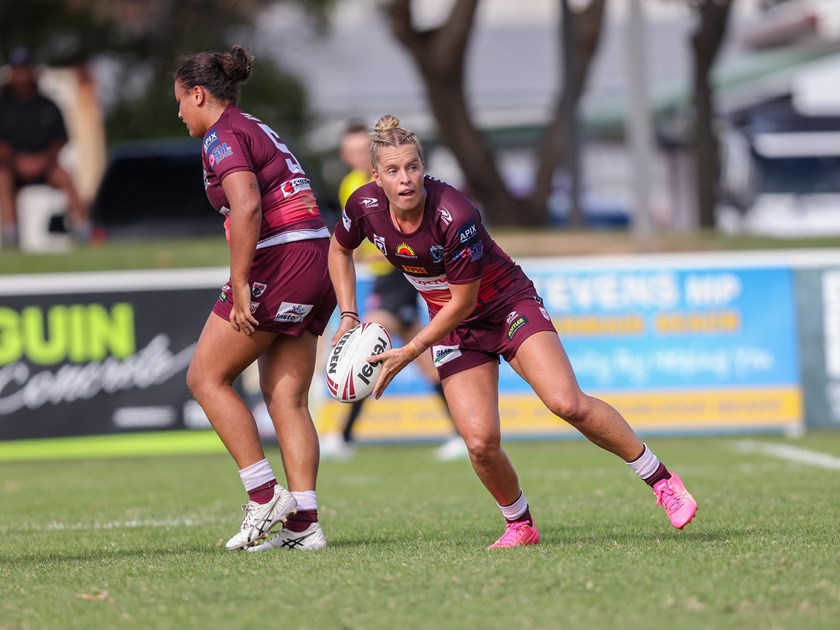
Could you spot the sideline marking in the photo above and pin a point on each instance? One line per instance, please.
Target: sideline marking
(58, 526)
(151, 444)
(791, 453)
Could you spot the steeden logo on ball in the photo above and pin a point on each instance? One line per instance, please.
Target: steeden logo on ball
(350, 376)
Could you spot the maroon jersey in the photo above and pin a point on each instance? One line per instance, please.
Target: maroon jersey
(451, 246)
(240, 142)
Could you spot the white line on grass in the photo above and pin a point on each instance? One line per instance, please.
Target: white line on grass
(57, 526)
(791, 453)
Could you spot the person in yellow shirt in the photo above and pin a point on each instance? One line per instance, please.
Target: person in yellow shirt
(392, 302)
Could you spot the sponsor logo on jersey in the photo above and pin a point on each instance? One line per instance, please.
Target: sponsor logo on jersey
(292, 312)
(474, 251)
(221, 152)
(414, 269)
(516, 325)
(544, 313)
(369, 202)
(405, 250)
(379, 241)
(444, 214)
(257, 290)
(205, 178)
(209, 139)
(437, 253)
(433, 283)
(346, 221)
(254, 307)
(445, 354)
(511, 316)
(468, 232)
(295, 185)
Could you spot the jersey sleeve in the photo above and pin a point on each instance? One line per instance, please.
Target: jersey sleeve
(349, 231)
(463, 241)
(228, 153)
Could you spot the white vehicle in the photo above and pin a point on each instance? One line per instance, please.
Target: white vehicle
(781, 183)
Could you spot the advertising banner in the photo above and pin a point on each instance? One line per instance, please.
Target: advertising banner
(100, 353)
(674, 348)
(818, 296)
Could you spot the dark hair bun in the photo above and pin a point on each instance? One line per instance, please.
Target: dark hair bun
(237, 64)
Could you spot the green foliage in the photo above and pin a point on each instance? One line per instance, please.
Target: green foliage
(271, 95)
(136, 542)
(145, 38)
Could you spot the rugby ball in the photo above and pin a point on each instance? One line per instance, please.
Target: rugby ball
(349, 375)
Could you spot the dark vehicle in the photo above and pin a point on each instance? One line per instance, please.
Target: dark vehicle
(155, 189)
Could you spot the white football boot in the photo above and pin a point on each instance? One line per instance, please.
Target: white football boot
(453, 448)
(310, 539)
(261, 518)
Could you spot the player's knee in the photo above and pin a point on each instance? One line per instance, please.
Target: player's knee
(483, 446)
(195, 382)
(571, 407)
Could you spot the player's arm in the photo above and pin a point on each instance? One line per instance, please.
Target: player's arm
(457, 309)
(343, 275)
(243, 194)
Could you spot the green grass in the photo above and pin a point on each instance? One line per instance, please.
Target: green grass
(136, 542)
(212, 251)
(121, 255)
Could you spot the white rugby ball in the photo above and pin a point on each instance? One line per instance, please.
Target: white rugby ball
(349, 375)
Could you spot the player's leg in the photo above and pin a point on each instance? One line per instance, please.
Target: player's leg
(77, 210)
(286, 371)
(473, 398)
(543, 363)
(221, 355)
(8, 207)
(454, 447)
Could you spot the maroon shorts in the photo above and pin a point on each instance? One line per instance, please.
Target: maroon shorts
(501, 333)
(290, 288)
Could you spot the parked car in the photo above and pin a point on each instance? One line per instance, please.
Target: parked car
(154, 189)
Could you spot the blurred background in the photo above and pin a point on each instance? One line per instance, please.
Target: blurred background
(653, 115)
(579, 126)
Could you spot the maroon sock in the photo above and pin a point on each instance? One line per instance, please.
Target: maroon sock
(264, 493)
(660, 474)
(526, 517)
(301, 520)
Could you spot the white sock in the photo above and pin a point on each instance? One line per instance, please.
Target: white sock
(307, 500)
(256, 475)
(516, 509)
(646, 465)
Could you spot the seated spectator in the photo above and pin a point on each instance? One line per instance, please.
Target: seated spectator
(32, 133)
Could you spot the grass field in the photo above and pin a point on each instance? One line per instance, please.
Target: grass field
(212, 251)
(97, 542)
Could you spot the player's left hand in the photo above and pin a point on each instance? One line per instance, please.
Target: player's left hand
(393, 361)
(241, 317)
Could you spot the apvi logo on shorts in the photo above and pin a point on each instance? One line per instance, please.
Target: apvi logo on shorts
(445, 354)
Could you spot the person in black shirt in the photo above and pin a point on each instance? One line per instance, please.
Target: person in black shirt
(32, 133)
